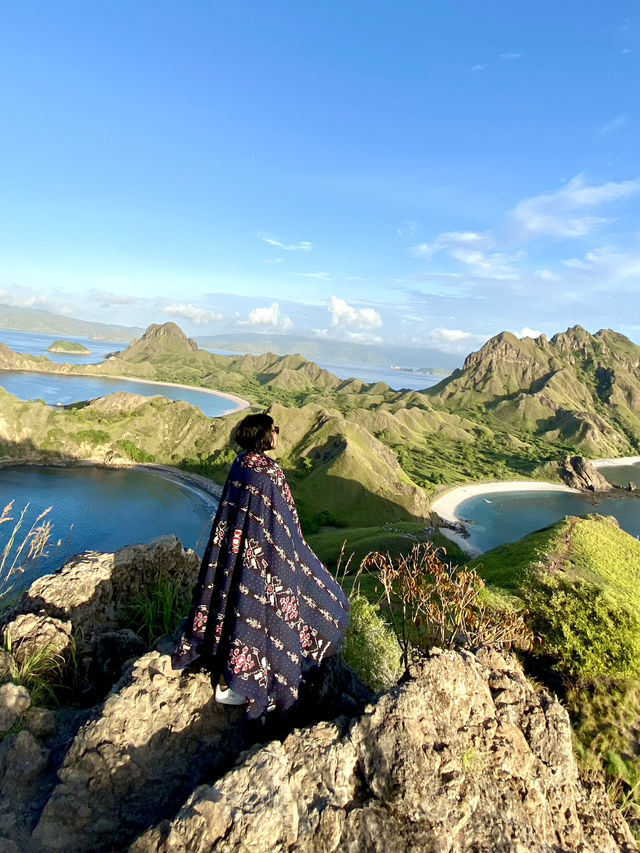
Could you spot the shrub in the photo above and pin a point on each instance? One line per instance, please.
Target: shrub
(432, 603)
(370, 647)
(128, 448)
(41, 672)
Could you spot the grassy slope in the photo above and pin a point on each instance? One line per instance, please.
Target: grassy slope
(604, 707)
(592, 549)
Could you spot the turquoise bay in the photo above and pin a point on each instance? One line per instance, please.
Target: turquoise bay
(100, 509)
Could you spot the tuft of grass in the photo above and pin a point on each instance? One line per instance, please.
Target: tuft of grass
(370, 646)
(157, 610)
(604, 713)
(41, 672)
(21, 552)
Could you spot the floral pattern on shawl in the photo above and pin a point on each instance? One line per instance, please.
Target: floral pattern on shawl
(274, 607)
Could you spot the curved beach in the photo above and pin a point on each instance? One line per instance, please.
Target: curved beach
(240, 404)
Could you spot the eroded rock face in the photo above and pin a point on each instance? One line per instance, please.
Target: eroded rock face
(155, 738)
(14, 701)
(93, 590)
(29, 634)
(580, 473)
(466, 757)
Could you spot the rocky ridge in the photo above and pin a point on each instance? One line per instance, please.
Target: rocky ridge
(464, 755)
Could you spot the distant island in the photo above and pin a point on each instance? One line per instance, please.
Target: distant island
(427, 371)
(68, 348)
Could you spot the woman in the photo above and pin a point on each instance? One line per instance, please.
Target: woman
(264, 608)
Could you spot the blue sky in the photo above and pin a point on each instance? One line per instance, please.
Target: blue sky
(423, 173)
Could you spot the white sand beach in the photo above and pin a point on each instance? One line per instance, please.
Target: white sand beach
(612, 463)
(446, 505)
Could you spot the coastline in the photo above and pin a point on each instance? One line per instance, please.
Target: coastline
(209, 491)
(446, 506)
(240, 403)
(614, 463)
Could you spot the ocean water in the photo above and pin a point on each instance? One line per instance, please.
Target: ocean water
(395, 379)
(36, 344)
(60, 389)
(508, 516)
(100, 509)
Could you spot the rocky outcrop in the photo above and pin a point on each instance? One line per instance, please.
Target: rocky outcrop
(465, 757)
(14, 701)
(157, 736)
(93, 591)
(579, 473)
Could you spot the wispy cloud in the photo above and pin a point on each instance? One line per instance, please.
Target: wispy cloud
(477, 68)
(106, 299)
(553, 214)
(452, 240)
(303, 246)
(472, 249)
(268, 318)
(272, 260)
(510, 57)
(199, 316)
(323, 276)
(610, 126)
(407, 228)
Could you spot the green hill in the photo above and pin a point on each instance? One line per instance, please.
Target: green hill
(580, 582)
(578, 388)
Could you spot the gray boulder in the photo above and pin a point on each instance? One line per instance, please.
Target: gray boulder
(464, 757)
(93, 591)
(579, 473)
(14, 701)
(158, 735)
(29, 635)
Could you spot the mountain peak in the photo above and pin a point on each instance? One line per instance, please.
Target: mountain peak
(165, 331)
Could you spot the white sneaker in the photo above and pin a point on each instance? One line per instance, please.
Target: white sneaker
(227, 696)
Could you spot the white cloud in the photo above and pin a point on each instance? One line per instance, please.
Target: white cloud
(303, 246)
(526, 332)
(477, 68)
(552, 214)
(345, 315)
(189, 312)
(607, 268)
(269, 318)
(111, 300)
(452, 340)
(472, 250)
(272, 260)
(546, 275)
(614, 124)
(510, 56)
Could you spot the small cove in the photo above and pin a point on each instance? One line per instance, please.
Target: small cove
(63, 389)
(496, 515)
(102, 509)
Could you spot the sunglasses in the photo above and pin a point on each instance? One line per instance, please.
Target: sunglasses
(276, 429)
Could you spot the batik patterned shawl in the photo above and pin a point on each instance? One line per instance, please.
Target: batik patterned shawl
(264, 607)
